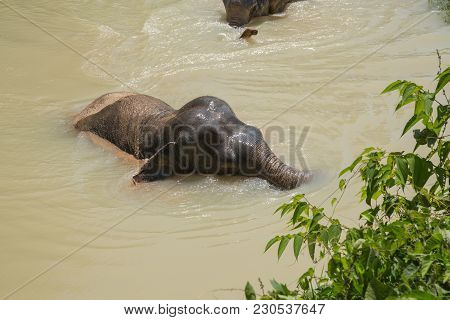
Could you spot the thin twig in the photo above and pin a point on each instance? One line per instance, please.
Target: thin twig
(440, 71)
(261, 285)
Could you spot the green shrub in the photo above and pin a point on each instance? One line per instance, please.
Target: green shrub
(401, 248)
(443, 5)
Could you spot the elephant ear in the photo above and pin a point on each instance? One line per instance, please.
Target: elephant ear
(210, 137)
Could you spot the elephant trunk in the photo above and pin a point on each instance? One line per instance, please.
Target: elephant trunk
(280, 174)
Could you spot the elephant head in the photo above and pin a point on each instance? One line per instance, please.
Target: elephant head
(206, 137)
(240, 12)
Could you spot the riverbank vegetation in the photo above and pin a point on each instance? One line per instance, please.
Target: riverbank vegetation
(400, 249)
(443, 5)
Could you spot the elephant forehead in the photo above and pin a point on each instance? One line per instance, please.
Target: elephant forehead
(211, 113)
(217, 108)
(211, 106)
(244, 134)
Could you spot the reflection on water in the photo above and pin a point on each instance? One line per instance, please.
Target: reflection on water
(184, 238)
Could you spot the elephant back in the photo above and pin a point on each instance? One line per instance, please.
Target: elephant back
(124, 121)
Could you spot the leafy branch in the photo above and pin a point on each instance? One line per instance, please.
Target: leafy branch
(401, 248)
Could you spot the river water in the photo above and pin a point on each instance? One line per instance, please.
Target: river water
(72, 224)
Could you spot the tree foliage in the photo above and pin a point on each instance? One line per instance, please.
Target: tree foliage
(400, 250)
(443, 5)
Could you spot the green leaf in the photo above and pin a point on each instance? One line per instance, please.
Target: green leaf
(425, 267)
(280, 208)
(286, 209)
(405, 102)
(377, 290)
(324, 236)
(428, 104)
(444, 78)
(283, 243)
(272, 242)
(249, 292)
(411, 122)
(368, 215)
(334, 232)
(318, 215)
(342, 184)
(298, 241)
(370, 293)
(305, 278)
(434, 242)
(298, 197)
(302, 206)
(417, 295)
(421, 170)
(358, 160)
(371, 184)
(402, 171)
(344, 172)
(365, 151)
(410, 271)
(333, 202)
(359, 243)
(443, 114)
(441, 177)
(425, 137)
(312, 246)
(424, 105)
(444, 150)
(394, 86)
(418, 248)
(276, 285)
(280, 289)
(447, 275)
(407, 93)
(377, 194)
(419, 106)
(355, 163)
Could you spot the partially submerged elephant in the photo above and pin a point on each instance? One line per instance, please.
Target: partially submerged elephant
(203, 137)
(240, 12)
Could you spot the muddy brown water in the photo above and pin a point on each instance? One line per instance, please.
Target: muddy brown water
(74, 227)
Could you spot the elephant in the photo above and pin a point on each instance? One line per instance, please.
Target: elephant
(203, 137)
(240, 12)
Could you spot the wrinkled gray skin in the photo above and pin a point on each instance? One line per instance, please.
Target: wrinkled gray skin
(240, 12)
(216, 140)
